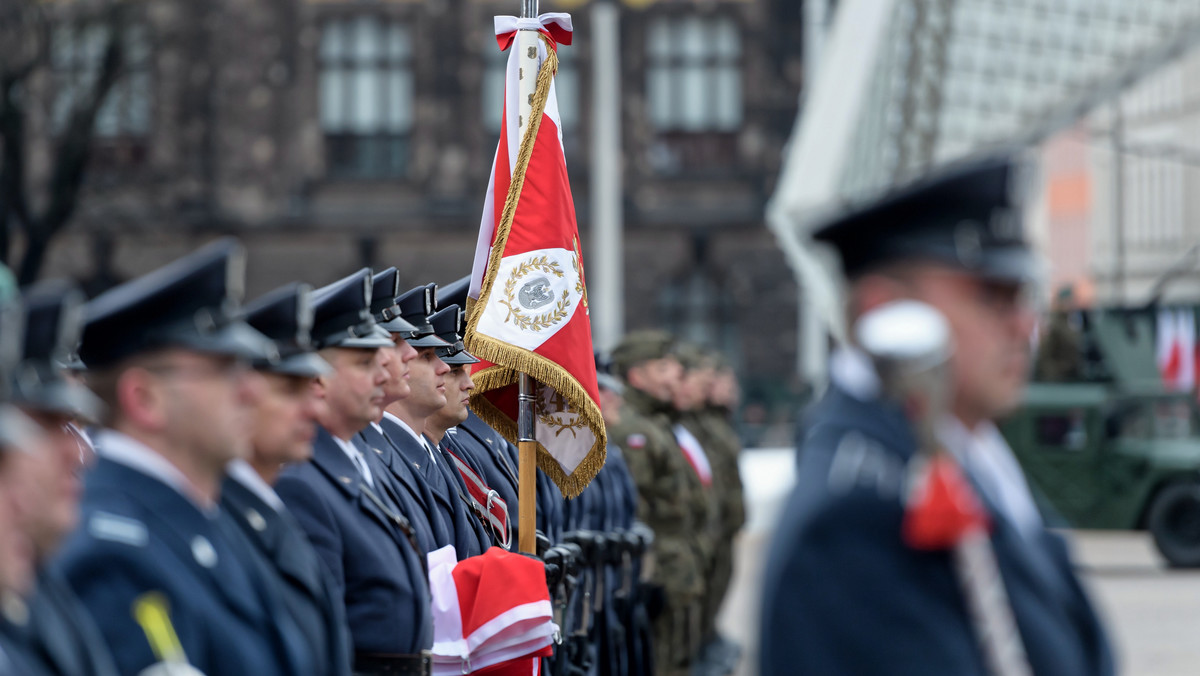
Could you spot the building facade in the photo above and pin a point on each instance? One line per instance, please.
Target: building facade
(333, 134)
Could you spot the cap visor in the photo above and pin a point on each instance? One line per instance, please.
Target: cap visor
(1015, 265)
(64, 397)
(461, 357)
(430, 340)
(305, 365)
(16, 429)
(397, 325)
(371, 341)
(237, 339)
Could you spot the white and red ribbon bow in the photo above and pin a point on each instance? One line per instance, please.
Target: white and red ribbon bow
(554, 25)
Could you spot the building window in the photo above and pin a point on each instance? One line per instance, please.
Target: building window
(77, 58)
(366, 96)
(566, 88)
(693, 76)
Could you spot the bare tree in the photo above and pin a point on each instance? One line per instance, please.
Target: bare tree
(35, 214)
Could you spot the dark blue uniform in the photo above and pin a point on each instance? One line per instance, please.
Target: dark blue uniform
(376, 568)
(491, 450)
(845, 594)
(411, 494)
(63, 634)
(468, 534)
(307, 588)
(140, 536)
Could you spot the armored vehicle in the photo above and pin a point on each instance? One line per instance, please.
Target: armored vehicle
(1112, 448)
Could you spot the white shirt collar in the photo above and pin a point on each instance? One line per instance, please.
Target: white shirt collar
(125, 450)
(420, 438)
(357, 458)
(986, 456)
(851, 369)
(240, 471)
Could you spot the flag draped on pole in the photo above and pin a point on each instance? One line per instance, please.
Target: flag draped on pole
(530, 312)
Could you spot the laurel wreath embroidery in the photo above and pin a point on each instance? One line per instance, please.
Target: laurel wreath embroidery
(546, 416)
(516, 314)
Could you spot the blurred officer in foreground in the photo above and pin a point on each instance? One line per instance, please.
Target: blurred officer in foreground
(845, 593)
(161, 568)
(284, 424)
(668, 493)
(60, 629)
(341, 503)
(20, 440)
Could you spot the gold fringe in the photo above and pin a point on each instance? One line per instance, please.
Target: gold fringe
(519, 360)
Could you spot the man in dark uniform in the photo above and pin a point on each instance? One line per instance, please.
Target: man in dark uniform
(60, 629)
(404, 424)
(20, 439)
(155, 560)
(845, 593)
(475, 465)
(411, 492)
(497, 457)
(365, 541)
(284, 419)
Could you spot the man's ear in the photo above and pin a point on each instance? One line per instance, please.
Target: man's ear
(141, 399)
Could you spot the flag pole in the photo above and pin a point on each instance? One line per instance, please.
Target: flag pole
(527, 58)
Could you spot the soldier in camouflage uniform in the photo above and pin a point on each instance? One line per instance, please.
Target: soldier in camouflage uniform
(666, 487)
(696, 442)
(723, 446)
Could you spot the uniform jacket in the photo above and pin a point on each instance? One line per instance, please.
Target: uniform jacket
(375, 568)
(506, 461)
(62, 632)
(667, 493)
(845, 595)
(17, 654)
(140, 536)
(467, 533)
(307, 587)
(411, 494)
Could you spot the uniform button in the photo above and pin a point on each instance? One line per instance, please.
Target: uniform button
(203, 550)
(256, 520)
(345, 479)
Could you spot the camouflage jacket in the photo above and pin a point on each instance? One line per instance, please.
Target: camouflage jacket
(664, 490)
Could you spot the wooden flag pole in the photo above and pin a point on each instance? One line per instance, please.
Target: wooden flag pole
(527, 58)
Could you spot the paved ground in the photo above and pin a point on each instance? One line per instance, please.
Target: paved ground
(1153, 612)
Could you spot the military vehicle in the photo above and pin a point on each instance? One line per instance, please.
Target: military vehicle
(1112, 448)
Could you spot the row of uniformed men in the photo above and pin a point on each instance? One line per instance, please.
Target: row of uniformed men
(265, 484)
(675, 434)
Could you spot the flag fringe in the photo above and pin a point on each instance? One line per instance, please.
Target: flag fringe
(539, 368)
(547, 373)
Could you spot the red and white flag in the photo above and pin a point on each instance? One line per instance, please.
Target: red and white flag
(491, 613)
(530, 313)
(1176, 341)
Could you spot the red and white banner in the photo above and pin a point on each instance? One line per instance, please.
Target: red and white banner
(1176, 346)
(530, 313)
